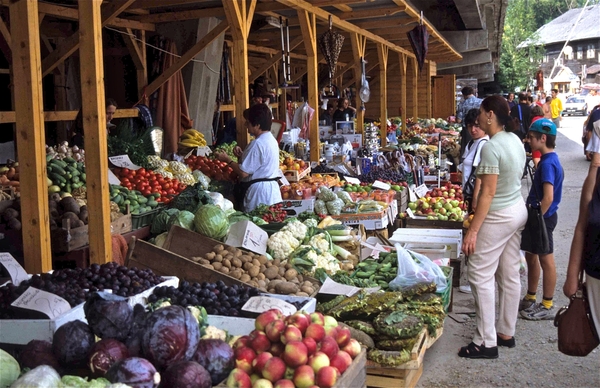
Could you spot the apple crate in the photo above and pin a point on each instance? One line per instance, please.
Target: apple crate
(403, 376)
(295, 176)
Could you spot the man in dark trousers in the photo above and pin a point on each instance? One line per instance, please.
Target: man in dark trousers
(522, 111)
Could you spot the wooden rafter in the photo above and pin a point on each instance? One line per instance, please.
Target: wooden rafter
(382, 56)
(273, 60)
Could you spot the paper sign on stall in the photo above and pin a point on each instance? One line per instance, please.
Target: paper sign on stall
(44, 302)
(334, 288)
(112, 178)
(381, 185)
(354, 181)
(123, 161)
(421, 190)
(246, 234)
(260, 304)
(203, 151)
(15, 271)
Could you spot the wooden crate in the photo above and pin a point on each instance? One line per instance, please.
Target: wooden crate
(295, 176)
(433, 224)
(67, 239)
(403, 376)
(432, 338)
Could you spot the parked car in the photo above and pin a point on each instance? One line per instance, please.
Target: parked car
(575, 105)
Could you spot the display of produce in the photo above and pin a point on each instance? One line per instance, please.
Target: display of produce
(212, 168)
(228, 149)
(172, 169)
(273, 213)
(66, 174)
(384, 175)
(191, 138)
(443, 204)
(9, 177)
(299, 350)
(62, 151)
(75, 285)
(148, 182)
(133, 200)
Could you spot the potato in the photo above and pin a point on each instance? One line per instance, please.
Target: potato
(271, 272)
(218, 257)
(263, 259)
(307, 283)
(281, 271)
(254, 271)
(276, 262)
(300, 293)
(253, 283)
(208, 266)
(271, 290)
(288, 266)
(218, 248)
(204, 261)
(224, 270)
(274, 282)
(262, 284)
(227, 263)
(245, 278)
(291, 274)
(217, 265)
(229, 257)
(286, 288)
(255, 262)
(268, 264)
(245, 258)
(236, 273)
(210, 256)
(309, 290)
(238, 253)
(295, 281)
(263, 268)
(231, 249)
(236, 263)
(300, 278)
(261, 276)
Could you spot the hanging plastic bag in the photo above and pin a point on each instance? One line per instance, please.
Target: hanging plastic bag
(411, 272)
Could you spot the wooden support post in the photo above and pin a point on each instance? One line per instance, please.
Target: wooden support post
(414, 76)
(94, 129)
(428, 81)
(403, 64)
(359, 44)
(308, 25)
(382, 54)
(239, 15)
(30, 135)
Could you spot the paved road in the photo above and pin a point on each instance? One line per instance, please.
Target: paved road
(535, 361)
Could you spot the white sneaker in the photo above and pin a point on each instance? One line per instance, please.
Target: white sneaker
(465, 289)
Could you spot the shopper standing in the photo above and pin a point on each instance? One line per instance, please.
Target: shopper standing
(344, 112)
(469, 102)
(556, 108)
(511, 100)
(494, 236)
(547, 191)
(522, 112)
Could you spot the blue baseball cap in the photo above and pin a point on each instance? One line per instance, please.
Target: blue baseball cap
(545, 126)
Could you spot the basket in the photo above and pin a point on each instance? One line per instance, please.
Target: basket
(140, 220)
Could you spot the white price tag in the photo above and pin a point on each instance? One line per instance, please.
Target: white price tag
(381, 185)
(412, 197)
(42, 301)
(354, 181)
(15, 271)
(283, 180)
(203, 151)
(335, 288)
(421, 190)
(123, 161)
(112, 178)
(260, 304)
(410, 213)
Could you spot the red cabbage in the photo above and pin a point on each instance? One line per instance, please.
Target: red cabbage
(217, 357)
(104, 354)
(37, 353)
(185, 374)
(135, 372)
(109, 316)
(72, 342)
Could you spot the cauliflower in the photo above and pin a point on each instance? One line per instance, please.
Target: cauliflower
(297, 229)
(320, 242)
(310, 222)
(326, 261)
(178, 167)
(186, 178)
(282, 243)
(211, 332)
(164, 173)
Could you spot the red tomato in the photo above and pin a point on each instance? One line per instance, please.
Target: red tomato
(171, 192)
(124, 181)
(166, 185)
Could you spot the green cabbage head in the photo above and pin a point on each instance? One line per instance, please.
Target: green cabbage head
(211, 221)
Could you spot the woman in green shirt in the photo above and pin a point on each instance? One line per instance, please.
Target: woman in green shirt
(493, 240)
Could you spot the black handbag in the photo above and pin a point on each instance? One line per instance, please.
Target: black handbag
(534, 238)
(577, 334)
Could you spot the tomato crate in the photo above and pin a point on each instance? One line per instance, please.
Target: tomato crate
(295, 176)
(402, 376)
(144, 219)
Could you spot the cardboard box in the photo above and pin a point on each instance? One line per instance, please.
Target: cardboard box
(371, 221)
(293, 207)
(246, 234)
(430, 238)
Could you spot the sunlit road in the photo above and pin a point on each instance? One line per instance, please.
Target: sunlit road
(571, 127)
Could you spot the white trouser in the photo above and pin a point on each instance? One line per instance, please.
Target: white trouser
(497, 256)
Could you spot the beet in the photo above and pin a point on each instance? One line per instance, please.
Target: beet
(104, 354)
(171, 334)
(109, 316)
(38, 353)
(72, 342)
(217, 357)
(135, 372)
(186, 374)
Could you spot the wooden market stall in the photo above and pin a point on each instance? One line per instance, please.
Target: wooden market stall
(376, 31)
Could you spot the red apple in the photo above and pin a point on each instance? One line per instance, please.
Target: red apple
(330, 321)
(331, 331)
(283, 383)
(268, 316)
(317, 317)
(243, 359)
(295, 354)
(304, 376)
(262, 383)
(243, 341)
(259, 362)
(276, 349)
(343, 336)
(315, 331)
(327, 377)
(291, 333)
(299, 320)
(341, 361)
(259, 341)
(353, 348)
(274, 369)
(311, 345)
(254, 377)
(239, 379)
(328, 346)
(274, 329)
(318, 361)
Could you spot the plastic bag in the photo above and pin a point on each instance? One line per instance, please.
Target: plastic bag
(411, 272)
(320, 207)
(325, 194)
(335, 207)
(344, 196)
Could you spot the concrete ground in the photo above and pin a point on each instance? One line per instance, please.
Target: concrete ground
(535, 361)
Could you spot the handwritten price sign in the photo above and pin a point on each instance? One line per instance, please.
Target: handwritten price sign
(123, 161)
(260, 304)
(42, 301)
(15, 271)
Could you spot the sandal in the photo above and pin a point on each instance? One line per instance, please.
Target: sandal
(509, 343)
(478, 351)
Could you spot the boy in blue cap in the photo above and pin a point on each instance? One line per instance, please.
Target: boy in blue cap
(547, 191)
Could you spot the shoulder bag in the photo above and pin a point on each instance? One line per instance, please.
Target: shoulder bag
(534, 238)
(521, 125)
(469, 188)
(576, 330)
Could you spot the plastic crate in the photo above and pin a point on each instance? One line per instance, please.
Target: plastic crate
(447, 294)
(140, 220)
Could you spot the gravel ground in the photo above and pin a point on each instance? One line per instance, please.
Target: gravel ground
(535, 361)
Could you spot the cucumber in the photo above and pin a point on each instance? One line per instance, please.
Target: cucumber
(142, 199)
(57, 168)
(75, 179)
(83, 176)
(152, 203)
(133, 203)
(56, 178)
(68, 188)
(49, 157)
(118, 199)
(73, 170)
(69, 160)
(76, 185)
(59, 163)
(49, 168)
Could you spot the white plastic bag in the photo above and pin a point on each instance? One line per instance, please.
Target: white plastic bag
(411, 272)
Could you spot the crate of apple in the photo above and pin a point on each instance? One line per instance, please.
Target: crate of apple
(299, 350)
(448, 191)
(439, 208)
